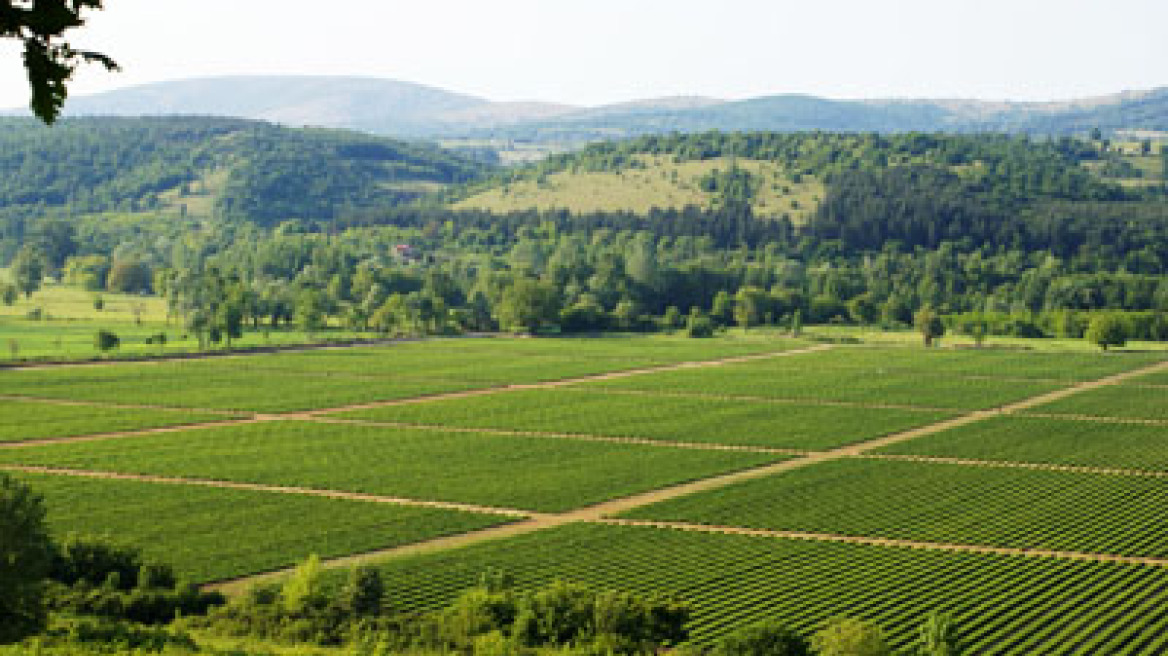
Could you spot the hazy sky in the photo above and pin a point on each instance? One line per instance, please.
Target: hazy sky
(596, 51)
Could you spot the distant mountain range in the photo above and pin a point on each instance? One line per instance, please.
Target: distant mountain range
(405, 109)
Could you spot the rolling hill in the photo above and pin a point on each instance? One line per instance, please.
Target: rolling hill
(406, 109)
(203, 167)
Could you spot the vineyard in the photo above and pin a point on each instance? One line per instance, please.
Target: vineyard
(845, 384)
(506, 471)
(1006, 605)
(660, 417)
(942, 503)
(185, 525)
(1051, 441)
(1021, 490)
(33, 420)
(1127, 402)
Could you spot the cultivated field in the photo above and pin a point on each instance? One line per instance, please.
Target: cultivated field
(756, 476)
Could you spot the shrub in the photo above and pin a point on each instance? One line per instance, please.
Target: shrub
(106, 341)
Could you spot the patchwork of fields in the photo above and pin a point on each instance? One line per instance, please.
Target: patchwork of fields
(757, 477)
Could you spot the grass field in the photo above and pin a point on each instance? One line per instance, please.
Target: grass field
(1003, 604)
(32, 420)
(942, 503)
(516, 472)
(658, 182)
(665, 418)
(187, 526)
(1053, 441)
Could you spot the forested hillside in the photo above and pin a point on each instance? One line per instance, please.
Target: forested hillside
(1029, 237)
(207, 168)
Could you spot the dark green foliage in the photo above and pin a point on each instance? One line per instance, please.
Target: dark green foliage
(103, 634)
(274, 173)
(25, 552)
(699, 326)
(104, 341)
(929, 325)
(1107, 330)
(94, 577)
(762, 639)
(939, 636)
(50, 62)
(561, 614)
(98, 562)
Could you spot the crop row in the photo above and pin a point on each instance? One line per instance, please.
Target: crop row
(1020, 438)
(1122, 401)
(520, 472)
(801, 378)
(1003, 604)
(226, 385)
(942, 503)
(210, 534)
(666, 418)
(997, 363)
(321, 379)
(31, 420)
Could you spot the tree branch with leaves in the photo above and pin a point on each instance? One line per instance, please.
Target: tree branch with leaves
(50, 61)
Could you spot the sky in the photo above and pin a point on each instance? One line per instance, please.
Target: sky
(590, 52)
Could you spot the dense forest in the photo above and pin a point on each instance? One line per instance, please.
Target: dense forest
(1029, 235)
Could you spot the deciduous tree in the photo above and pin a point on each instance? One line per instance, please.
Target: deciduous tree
(25, 556)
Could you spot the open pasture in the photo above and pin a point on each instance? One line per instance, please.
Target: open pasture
(73, 339)
(212, 534)
(802, 378)
(1121, 401)
(1003, 604)
(540, 474)
(666, 418)
(1053, 441)
(943, 503)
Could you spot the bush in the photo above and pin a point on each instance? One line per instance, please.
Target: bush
(699, 327)
(106, 341)
(763, 639)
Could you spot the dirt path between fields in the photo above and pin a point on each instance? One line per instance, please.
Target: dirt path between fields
(237, 353)
(894, 542)
(603, 511)
(277, 489)
(245, 417)
(1014, 464)
(610, 375)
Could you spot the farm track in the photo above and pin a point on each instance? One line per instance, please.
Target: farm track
(1013, 464)
(277, 489)
(242, 418)
(551, 384)
(530, 522)
(582, 437)
(208, 355)
(892, 542)
(764, 399)
(602, 512)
